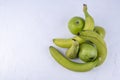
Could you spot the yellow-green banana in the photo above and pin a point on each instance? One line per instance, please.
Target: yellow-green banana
(77, 38)
(74, 66)
(94, 34)
(100, 31)
(89, 21)
(100, 44)
(72, 52)
(67, 43)
(64, 43)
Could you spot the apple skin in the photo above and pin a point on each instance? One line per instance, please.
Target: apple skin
(76, 24)
(87, 52)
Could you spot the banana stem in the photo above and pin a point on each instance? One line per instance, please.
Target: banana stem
(85, 9)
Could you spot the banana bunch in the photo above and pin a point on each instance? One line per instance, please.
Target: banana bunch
(87, 44)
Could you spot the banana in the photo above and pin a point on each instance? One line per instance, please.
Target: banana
(89, 21)
(74, 66)
(64, 43)
(72, 52)
(100, 31)
(79, 39)
(100, 44)
(94, 34)
(67, 43)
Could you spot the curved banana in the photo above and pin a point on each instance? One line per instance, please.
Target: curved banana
(100, 31)
(72, 52)
(64, 43)
(89, 21)
(94, 34)
(100, 44)
(79, 39)
(67, 43)
(74, 66)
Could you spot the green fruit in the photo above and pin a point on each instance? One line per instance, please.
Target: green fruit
(87, 52)
(76, 24)
(82, 67)
(67, 42)
(72, 52)
(92, 33)
(64, 43)
(100, 31)
(89, 21)
(80, 40)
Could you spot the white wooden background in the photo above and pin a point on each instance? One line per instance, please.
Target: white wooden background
(27, 28)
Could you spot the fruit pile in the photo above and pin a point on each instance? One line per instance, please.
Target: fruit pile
(88, 44)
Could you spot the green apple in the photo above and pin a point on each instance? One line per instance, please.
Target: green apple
(76, 24)
(87, 52)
